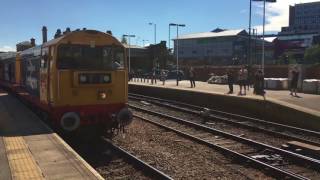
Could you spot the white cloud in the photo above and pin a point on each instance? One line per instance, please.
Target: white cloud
(277, 14)
(7, 48)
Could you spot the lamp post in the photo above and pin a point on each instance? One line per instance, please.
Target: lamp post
(155, 32)
(177, 47)
(249, 52)
(129, 36)
(263, 29)
(169, 37)
(255, 36)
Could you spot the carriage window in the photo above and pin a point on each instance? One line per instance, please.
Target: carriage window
(93, 58)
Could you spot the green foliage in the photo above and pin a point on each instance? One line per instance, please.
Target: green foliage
(312, 55)
(287, 58)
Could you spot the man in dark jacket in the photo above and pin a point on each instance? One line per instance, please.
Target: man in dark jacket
(230, 77)
(294, 81)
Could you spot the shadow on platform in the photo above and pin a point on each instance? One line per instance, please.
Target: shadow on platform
(17, 120)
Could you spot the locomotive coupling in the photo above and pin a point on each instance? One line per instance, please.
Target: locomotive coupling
(70, 121)
(124, 117)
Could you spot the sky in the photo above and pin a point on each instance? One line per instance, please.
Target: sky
(21, 20)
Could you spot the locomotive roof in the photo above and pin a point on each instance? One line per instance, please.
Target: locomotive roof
(56, 40)
(36, 51)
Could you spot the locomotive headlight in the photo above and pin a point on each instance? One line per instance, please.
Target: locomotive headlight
(106, 78)
(102, 95)
(83, 78)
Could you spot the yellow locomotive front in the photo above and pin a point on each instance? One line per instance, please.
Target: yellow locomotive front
(83, 81)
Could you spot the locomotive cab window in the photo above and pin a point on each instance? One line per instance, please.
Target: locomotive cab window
(86, 57)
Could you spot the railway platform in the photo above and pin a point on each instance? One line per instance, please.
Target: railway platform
(31, 150)
(280, 106)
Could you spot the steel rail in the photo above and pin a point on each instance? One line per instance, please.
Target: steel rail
(238, 123)
(153, 172)
(232, 115)
(300, 158)
(282, 174)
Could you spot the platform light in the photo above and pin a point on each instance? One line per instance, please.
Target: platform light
(177, 47)
(155, 31)
(263, 29)
(266, 0)
(129, 36)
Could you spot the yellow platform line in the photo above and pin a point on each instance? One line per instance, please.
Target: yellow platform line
(21, 162)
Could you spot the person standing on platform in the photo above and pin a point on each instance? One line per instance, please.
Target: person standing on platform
(163, 76)
(154, 78)
(243, 76)
(192, 77)
(259, 84)
(131, 75)
(249, 77)
(294, 82)
(230, 80)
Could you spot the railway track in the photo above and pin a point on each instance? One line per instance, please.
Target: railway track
(286, 132)
(179, 157)
(138, 163)
(113, 162)
(279, 163)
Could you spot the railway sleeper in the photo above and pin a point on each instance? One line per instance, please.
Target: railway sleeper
(303, 148)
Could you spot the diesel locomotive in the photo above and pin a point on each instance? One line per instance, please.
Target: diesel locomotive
(77, 81)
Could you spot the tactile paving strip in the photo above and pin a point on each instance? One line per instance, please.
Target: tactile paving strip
(21, 162)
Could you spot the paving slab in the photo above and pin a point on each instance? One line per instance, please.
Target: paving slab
(31, 150)
(5, 172)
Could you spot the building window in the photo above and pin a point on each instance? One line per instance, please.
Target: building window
(194, 52)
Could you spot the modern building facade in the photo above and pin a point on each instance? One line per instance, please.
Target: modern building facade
(219, 47)
(293, 45)
(303, 31)
(303, 18)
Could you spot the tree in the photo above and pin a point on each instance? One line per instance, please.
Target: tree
(287, 58)
(312, 55)
(124, 40)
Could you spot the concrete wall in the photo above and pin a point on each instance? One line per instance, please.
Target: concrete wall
(267, 110)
